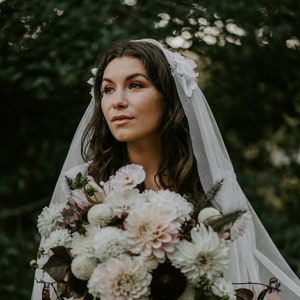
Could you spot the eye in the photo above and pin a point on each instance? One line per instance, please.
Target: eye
(135, 85)
(107, 89)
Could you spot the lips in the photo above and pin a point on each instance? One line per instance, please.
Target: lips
(121, 119)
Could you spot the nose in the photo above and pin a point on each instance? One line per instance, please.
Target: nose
(120, 100)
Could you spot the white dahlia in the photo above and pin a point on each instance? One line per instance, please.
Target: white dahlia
(109, 242)
(170, 199)
(223, 289)
(124, 200)
(152, 231)
(100, 215)
(82, 244)
(206, 254)
(58, 237)
(50, 218)
(82, 267)
(124, 278)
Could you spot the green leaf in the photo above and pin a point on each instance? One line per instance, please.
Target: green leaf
(201, 295)
(78, 182)
(58, 264)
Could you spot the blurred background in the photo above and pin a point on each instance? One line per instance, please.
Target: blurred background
(248, 58)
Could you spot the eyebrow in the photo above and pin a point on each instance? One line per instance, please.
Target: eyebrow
(129, 77)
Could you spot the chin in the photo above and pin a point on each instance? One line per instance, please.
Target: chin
(122, 139)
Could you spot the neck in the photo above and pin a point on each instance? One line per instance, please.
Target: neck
(148, 156)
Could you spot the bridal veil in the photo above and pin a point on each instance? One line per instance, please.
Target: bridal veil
(253, 256)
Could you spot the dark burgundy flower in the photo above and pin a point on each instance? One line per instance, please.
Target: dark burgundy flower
(168, 283)
(185, 230)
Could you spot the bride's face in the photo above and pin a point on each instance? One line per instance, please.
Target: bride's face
(131, 104)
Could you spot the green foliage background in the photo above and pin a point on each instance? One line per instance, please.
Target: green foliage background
(248, 56)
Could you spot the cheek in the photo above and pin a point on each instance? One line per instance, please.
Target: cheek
(154, 115)
(159, 110)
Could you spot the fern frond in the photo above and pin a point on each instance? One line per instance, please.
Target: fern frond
(230, 218)
(207, 198)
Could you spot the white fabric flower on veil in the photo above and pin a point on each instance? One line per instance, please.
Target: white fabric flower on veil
(185, 67)
(91, 81)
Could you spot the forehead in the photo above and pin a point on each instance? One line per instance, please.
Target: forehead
(126, 65)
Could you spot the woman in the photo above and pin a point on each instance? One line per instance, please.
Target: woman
(137, 117)
(147, 109)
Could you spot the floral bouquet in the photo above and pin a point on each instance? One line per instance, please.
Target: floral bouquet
(110, 241)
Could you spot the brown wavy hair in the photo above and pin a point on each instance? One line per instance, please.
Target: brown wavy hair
(177, 170)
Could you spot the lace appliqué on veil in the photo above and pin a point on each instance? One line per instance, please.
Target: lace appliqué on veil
(91, 81)
(184, 69)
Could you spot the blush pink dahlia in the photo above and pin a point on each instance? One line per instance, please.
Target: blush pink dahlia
(152, 231)
(128, 176)
(122, 278)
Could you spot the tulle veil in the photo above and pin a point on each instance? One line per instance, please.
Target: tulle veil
(253, 257)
